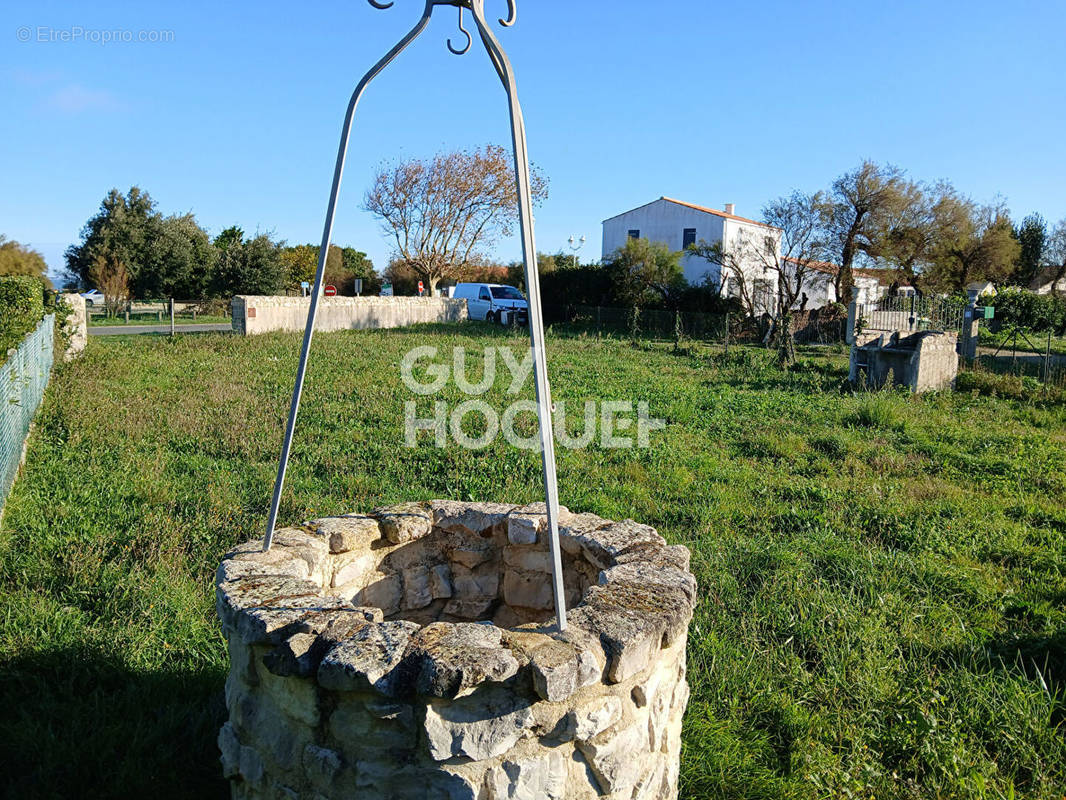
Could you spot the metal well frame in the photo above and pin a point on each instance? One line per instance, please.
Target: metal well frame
(505, 71)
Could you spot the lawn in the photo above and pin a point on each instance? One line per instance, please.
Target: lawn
(883, 578)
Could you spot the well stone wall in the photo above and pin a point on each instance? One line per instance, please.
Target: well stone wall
(411, 653)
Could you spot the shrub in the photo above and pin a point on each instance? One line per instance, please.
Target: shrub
(1005, 386)
(1019, 308)
(877, 410)
(21, 308)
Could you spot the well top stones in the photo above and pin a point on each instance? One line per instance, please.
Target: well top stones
(411, 653)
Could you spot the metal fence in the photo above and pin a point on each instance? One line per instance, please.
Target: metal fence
(912, 314)
(1024, 354)
(23, 379)
(641, 323)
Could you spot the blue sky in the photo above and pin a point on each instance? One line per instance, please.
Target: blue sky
(237, 118)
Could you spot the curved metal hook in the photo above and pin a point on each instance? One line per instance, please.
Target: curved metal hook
(469, 40)
(380, 6)
(512, 14)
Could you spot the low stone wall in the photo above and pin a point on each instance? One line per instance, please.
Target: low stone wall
(261, 314)
(410, 653)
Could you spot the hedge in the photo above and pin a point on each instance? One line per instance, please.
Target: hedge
(21, 308)
(1019, 308)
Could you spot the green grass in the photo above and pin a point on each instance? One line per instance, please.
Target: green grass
(883, 577)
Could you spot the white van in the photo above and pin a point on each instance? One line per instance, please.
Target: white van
(493, 302)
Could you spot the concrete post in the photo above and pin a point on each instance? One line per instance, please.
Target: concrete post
(971, 327)
(853, 318)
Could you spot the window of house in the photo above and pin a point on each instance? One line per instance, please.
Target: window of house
(688, 238)
(634, 233)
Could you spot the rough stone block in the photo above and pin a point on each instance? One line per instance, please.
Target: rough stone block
(417, 591)
(618, 757)
(541, 777)
(440, 582)
(350, 532)
(555, 668)
(471, 518)
(406, 522)
(231, 751)
(594, 717)
(478, 726)
(527, 559)
(450, 659)
(528, 590)
(384, 592)
(368, 661)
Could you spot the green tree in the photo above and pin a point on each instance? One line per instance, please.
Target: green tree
(17, 259)
(973, 242)
(643, 272)
(162, 256)
(231, 235)
(119, 233)
(865, 201)
(1032, 236)
(249, 267)
(179, 260)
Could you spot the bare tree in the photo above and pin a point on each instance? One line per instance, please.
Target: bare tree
(743, 264)
(112, 278)
(441, 212)
(803, 221)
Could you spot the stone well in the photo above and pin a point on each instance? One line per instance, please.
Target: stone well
(412, 653)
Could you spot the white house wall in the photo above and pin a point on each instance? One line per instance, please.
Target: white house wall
(755, 267)
(663, 221)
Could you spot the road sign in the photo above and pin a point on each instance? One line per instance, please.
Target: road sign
(331, 291)
(386, 290)
(421, 288)
(358, 287)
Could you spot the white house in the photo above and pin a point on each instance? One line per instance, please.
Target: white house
(680, 224)
(819, 284)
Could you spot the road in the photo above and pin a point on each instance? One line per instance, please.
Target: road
(118, 330)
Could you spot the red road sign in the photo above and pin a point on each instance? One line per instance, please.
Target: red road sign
(421, 288)
(331, 291)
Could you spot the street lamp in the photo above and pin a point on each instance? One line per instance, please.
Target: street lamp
(575, 245)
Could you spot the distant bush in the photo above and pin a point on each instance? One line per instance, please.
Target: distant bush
(21, 308)
(1020, 308)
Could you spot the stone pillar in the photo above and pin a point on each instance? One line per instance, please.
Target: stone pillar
(76, 325)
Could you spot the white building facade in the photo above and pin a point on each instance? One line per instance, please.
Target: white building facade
(818, 284)
(679, 224)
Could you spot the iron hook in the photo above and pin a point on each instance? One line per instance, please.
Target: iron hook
(469, 39)
(512, 14)
(380, 6)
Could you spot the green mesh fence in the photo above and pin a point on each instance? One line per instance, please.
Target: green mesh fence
(23, 379)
